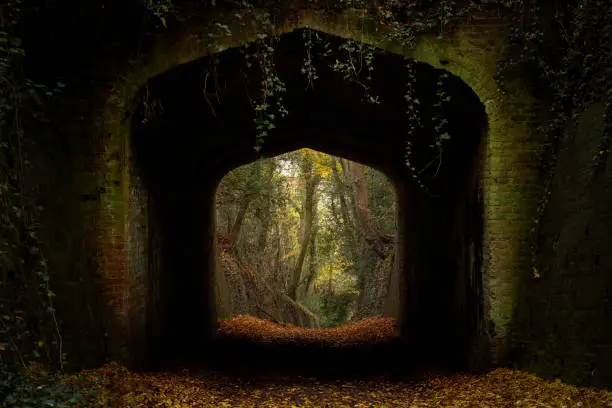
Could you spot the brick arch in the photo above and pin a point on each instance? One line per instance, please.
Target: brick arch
(471, 58)
(190, 145)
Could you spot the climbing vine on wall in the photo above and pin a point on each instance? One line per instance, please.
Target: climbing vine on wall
(270, 103)
(571, 71)
(358, 56)
(570, 64)
(30, 333)
(570, 68)
(404, 21)
(28, 322)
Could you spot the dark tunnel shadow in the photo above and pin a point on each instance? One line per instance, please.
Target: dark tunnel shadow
(191, 142)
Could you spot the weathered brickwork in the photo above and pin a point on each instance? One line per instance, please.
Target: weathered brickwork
(562, 325)
(129, 250)
(474, 50)
(510, 154)
(138, 258)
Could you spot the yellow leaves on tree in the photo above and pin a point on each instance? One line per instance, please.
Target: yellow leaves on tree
(321, 161)
(336, 271)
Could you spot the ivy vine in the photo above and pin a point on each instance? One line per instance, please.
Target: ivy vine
(572, 74)
(30, 335)
(571, 70)
(24, 265)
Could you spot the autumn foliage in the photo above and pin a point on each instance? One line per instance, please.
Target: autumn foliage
(370, 330)
(118, 387)
(501, 388)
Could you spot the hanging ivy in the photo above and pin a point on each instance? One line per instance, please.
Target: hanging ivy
(30, 334)
(571, 63)
(571, 68)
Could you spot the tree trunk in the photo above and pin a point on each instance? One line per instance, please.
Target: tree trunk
(362, 209)
(312, 262)
(309, 211)
(349, 228)
(372, 271)
(265, 226)
(239, 220)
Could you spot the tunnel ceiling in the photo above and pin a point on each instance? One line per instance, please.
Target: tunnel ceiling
(199, 113)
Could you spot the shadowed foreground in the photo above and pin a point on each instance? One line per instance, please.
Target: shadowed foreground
(181, 389)
(248, 341)
(251, 346)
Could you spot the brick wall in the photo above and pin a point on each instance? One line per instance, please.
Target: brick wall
(69, 197)
(474, 60)
(138, 258)
(511, 188)
(563, 325)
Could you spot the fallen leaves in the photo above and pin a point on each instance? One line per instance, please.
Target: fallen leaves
(371, 330)
(501, 388)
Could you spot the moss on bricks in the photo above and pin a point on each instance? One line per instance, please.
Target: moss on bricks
(475, 62)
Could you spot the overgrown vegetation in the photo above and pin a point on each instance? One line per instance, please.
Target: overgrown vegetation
(568, 55)
(315, 234)
(570, 62)
(30, 336)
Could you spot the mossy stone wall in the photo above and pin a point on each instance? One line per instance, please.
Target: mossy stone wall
(563, 324)
(511, 185)
(474, 49)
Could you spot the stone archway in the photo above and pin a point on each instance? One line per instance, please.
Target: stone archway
(183, 153)
(469, 55)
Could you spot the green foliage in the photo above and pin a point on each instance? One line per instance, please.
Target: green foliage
(567, 58)
(570, 65)
(383, 202)
(35, 388)
(29, 327)
(269, 104)
(414, 118)
(308, 69)
(272, 197)
(334, 310)
(358, 56)
(570, 68)
(335, 299)
(159, 9)
(404, 22)
(24, 283)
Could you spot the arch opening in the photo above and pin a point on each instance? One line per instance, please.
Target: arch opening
(306, 239)
(191, 141)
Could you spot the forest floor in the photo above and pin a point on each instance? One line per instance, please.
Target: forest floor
(247, 345)
(372, 330)
(212, 387)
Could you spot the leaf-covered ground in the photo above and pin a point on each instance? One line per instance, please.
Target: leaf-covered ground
(183, 388)
(371, 330)
(251, 345)
(499, 388)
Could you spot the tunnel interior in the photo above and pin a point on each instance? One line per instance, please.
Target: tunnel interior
(195, 123)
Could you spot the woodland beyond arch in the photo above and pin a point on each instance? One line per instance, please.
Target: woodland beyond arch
(199, 142)
(111, 150)
(474, 59)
